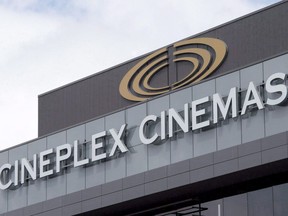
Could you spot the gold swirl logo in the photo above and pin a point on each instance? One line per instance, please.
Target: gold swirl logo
(135, 85)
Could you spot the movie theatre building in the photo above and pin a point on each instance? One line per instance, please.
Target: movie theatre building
(198, 127)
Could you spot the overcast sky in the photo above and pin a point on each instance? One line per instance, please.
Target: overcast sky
(48, 43)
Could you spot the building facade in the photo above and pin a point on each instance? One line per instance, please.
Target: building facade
(195, 128)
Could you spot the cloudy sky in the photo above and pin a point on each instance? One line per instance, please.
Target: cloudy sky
(48, 43)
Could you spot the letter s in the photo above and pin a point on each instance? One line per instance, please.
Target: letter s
(276, 88)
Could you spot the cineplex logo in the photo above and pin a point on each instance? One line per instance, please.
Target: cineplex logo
(205, 54)
(194, 116)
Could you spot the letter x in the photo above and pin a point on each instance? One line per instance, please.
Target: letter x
(117, 138)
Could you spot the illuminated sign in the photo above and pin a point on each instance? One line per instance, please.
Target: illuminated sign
(135, 85)
(193, 117)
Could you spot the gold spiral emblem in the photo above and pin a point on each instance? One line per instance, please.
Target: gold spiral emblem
(135, 85)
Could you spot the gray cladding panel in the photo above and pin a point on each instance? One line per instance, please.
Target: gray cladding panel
(204, 141)
(56, 186)
(260, 203)
(114, 121)
(115, 169)
(137, 160)
(229, 130)
(3, 194)
(98, 169)
(181, 147)
(276, 118)
(37, 189)
(159, 155)
(240, 209)
(17, 198)
(252, 127)
(179, 98)
(280, 199)
(134, 116)
(249, 39)
(75, 180)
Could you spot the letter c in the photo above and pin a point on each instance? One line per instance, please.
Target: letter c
(142, 137)
(4, 186)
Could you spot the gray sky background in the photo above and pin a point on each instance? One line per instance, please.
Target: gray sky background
(48, 43)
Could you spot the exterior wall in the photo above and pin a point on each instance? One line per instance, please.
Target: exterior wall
(205, 173)
(224, 139)
(251, 39)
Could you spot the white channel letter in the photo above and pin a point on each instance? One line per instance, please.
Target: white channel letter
(252, 97)
(142, 136)
(61, 157)
(118, 140)
(281, 88)
(45, 162)
(16, 173)
(96, 146)
(196, 113)
(163, 125)
(218, 104)
(4, 167)
(78, 162)
(173, 115)
(25, 165)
